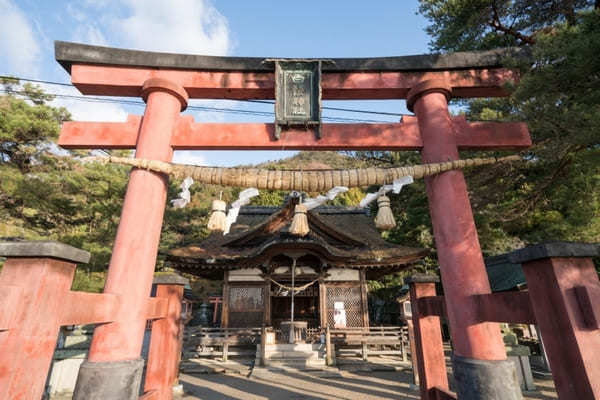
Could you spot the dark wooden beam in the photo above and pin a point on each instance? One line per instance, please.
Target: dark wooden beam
(322, 303)
(364, 298)
(225, 305)
(68, 54)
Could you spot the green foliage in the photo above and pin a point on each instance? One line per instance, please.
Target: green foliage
(464, 25)
(560, 95)
(26, 125)
(47, 196)
(88, 281)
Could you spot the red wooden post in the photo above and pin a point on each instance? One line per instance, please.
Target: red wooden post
(167, 338)
(461, 262)
(216, 300)
(564, 291)
(134, 254)
(413, 351)
(39, 275)
(429, 348)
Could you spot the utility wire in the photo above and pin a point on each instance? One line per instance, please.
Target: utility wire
(335, 108)
(191, 107)
(36, 80)
(353, 110)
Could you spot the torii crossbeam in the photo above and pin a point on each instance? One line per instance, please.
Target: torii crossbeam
(167, 81)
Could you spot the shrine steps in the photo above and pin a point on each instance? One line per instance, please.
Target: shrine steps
(299, 355)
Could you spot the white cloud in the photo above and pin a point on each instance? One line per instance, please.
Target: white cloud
(176, 26)
(184, 26)
(102, 112)
(189, 157)
(76, 12)
(85, 110)
(20, 50)
(89, 34)
(87, 29)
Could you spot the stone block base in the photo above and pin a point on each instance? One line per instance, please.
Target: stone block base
(115, 380)
(485, 379)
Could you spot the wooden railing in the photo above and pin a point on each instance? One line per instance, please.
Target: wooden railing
(203, 341)
(380, 340)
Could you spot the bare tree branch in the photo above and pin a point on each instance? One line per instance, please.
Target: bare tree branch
(496, 24)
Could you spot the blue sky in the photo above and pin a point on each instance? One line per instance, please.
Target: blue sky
(255, 28)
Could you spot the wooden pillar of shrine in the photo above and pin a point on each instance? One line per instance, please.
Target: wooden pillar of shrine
(479, 354)
(225, 306)
(364, 298)
(323, 303)
(267, 302)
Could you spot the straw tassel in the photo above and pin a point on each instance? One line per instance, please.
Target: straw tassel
(384, 219)
(299, 225)
(217, 221)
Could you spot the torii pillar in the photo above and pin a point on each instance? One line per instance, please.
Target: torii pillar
(114, 367)
(481, 370)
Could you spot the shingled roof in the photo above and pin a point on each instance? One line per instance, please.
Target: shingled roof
(339, 236)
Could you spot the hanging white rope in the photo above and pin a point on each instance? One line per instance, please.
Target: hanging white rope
(311, 203)
(243, 199)
(296, 289)
(184, 195)
(395, 187)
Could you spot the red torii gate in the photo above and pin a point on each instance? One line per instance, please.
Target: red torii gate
(167, 81)
(166, 89)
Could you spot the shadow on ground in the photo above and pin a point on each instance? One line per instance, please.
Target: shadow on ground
(237, 381)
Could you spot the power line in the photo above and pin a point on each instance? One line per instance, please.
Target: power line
(37, 81)
(352, 110)
(191, 107)
(335, 108)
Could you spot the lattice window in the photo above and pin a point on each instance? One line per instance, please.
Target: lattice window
(246, 306)
(352, 299)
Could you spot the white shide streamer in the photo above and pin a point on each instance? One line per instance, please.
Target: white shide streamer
(395, 187)
(243, 199)
(184, 195)
(311, 203)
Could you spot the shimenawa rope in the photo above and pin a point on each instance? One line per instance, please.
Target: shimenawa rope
(306, 180)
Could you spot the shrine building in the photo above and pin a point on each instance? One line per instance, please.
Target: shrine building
(332, 264)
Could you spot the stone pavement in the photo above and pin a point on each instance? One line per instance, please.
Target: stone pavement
(234, 381)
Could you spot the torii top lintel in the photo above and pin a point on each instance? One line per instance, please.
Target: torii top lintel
(120, 72)
(97, 70)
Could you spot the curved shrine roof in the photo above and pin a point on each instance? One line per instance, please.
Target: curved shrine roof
(339, 236)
